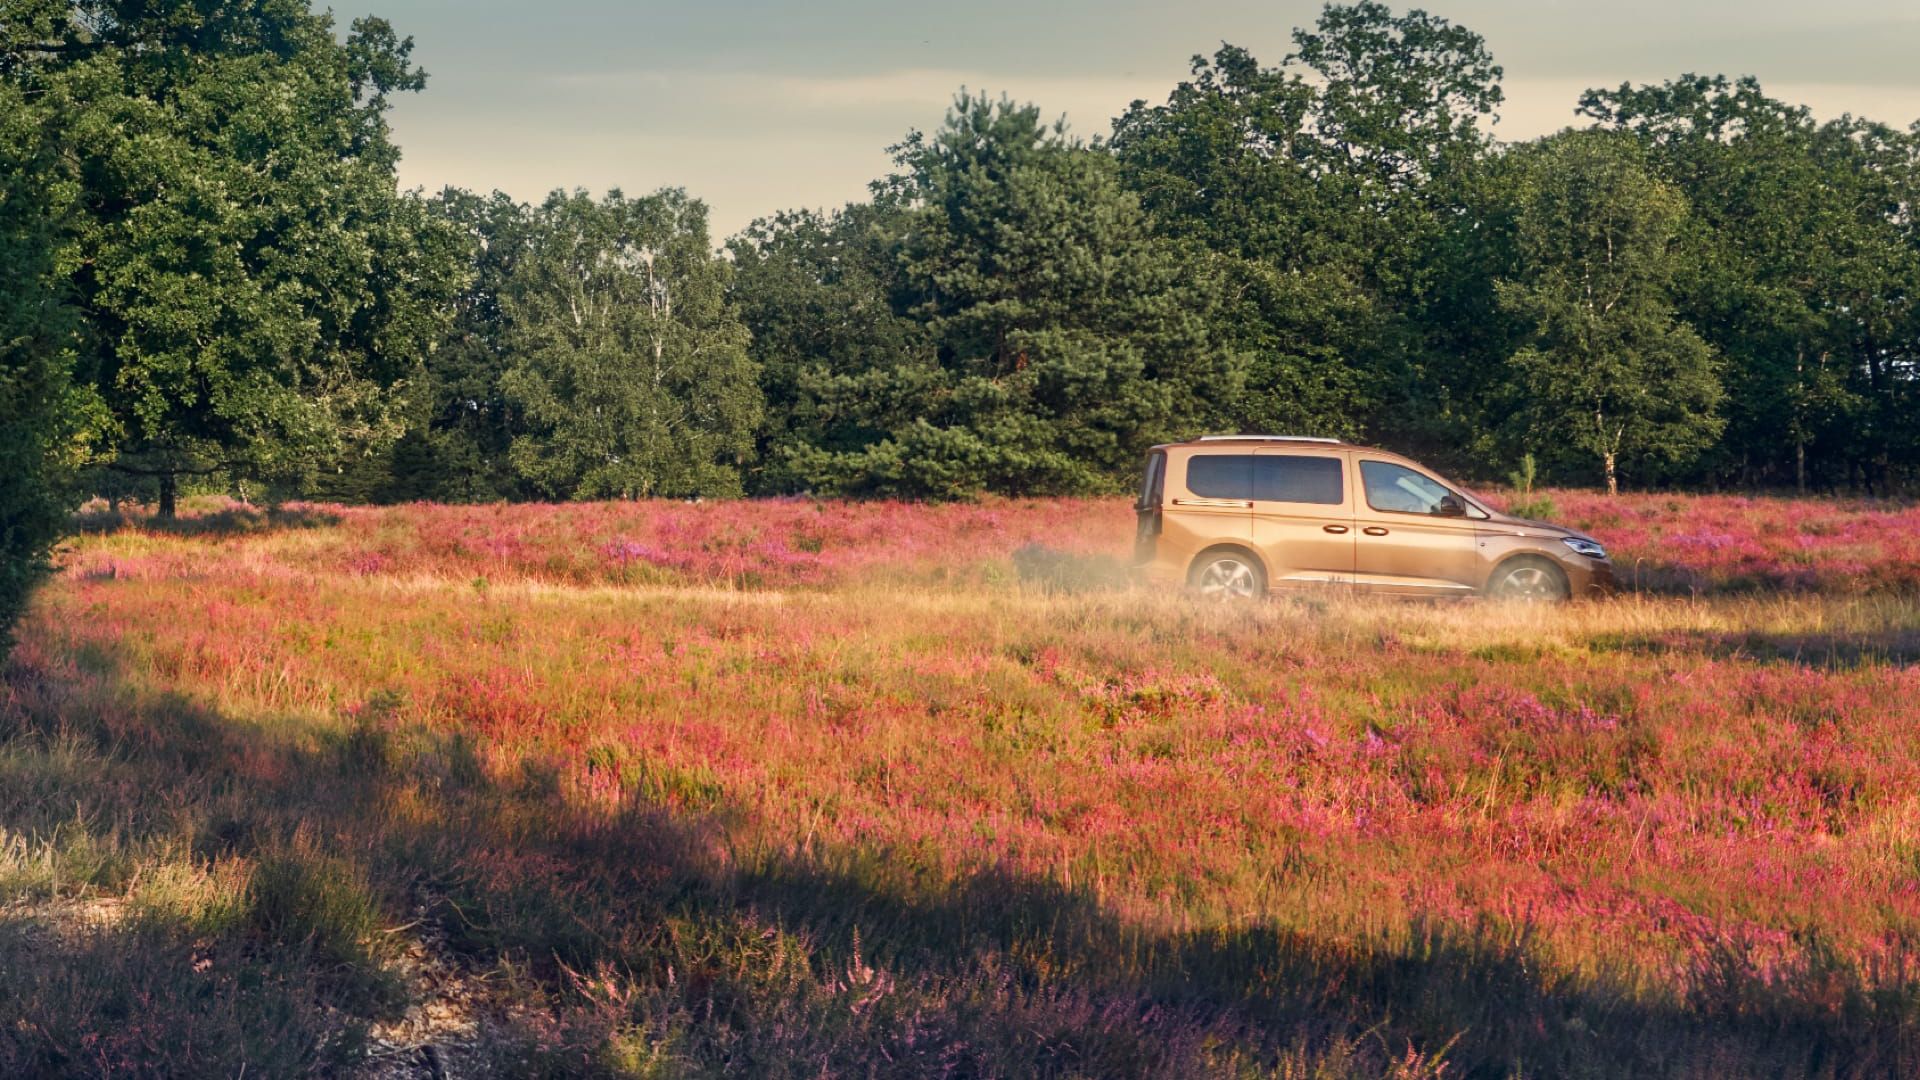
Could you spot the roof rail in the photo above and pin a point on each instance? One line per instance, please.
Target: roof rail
(1267, 438)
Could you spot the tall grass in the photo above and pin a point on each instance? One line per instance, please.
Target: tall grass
(919, 807)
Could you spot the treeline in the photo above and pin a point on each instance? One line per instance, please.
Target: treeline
(211, 279)
(1703, 287)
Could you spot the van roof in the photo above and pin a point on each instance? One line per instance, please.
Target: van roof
(1314, 440)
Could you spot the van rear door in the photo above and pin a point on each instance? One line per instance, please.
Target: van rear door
(1209, 500)
(1303, 517)
(1147, 509)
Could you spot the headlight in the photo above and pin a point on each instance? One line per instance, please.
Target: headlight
(1589, 548)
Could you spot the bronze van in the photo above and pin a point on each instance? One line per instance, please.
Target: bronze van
(1237, 516)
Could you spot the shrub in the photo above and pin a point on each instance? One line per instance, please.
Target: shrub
(1525, 504)
(306, 904)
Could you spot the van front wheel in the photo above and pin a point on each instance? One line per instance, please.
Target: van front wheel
(1227, 575)
(1529, 581)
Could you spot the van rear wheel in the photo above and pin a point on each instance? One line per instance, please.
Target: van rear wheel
(1226, 576)
(1529, 581)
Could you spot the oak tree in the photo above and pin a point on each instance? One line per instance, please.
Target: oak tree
(255, 289)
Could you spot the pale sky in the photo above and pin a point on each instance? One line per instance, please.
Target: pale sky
(755, 106)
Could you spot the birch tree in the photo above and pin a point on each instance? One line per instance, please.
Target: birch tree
(1606, 370)
(630, 365)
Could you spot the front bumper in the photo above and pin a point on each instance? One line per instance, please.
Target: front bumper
(1590, 577)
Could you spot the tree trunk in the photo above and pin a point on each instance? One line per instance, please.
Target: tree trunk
(1799, 422)
(1613, 481)
(169, 488)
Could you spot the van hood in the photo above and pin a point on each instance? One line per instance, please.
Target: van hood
(1533, 526)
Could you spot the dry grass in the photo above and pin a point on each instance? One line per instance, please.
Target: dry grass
(894, 810)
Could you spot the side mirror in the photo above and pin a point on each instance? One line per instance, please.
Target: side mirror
(1450, 506)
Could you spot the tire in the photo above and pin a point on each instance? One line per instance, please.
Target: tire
(1529, 581)
(1227, 576)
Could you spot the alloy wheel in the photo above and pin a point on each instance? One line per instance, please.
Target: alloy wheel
(1228, 579)
(1530, 584)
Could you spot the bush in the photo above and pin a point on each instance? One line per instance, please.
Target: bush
(1525, 504)
(307, 905)
(150, 1001)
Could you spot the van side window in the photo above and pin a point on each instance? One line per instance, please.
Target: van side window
(1220, 476)
(1298, 479)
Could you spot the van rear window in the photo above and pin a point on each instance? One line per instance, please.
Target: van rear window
(1267, 477)
(1298, 479)
(1220, 476)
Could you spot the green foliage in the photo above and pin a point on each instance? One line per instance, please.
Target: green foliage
(39, 410)
(630, 366)
(460, 424)
(1331, 246)
(1803, 270)
(1525, 504)
(1608, 371)
(255, 289)
(839, 365)
(1228, 165)
(1401, 97)
(312, 905)
(1328, 191)
(1057, 337)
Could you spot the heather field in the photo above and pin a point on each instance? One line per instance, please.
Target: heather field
(803, 789)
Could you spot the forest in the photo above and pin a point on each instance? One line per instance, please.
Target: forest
(212, 281)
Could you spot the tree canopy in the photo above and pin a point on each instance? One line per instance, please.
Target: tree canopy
(1800, 267)
(40, 413)
(255, 289)
(1608, 370)
(1041, 334)
(629, 366)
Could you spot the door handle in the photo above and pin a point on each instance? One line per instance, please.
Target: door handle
(1334, 528)
(1374, 530)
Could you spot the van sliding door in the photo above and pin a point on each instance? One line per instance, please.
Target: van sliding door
(1303, 517)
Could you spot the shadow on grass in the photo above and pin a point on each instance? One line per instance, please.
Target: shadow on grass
(631, 939)
(233, 520)
(149, 997)
(1832, 652)
(1660, 578)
